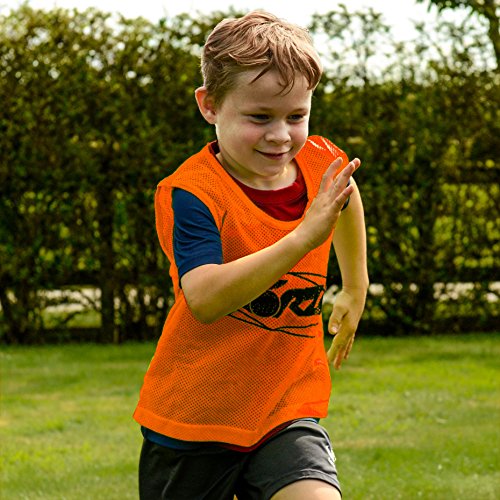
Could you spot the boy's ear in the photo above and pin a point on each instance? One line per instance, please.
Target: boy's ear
(205, 105)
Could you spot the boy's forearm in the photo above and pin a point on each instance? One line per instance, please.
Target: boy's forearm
(213, 291)
(349, 241)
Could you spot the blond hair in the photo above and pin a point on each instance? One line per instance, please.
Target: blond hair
(257, 40)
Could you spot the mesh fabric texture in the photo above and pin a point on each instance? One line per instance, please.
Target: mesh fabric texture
(236, 379)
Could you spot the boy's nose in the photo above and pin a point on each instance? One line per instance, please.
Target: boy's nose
(278, 133)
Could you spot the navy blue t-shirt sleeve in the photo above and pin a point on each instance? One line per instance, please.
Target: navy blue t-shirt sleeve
(348, 199)
(196, 236)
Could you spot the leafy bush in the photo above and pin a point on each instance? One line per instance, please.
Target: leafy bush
(97, 109)
(428, 135)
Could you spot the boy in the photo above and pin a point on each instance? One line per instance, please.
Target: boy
(231, 401)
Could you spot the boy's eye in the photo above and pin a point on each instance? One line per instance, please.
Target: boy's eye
(264, 118)
(260, 117)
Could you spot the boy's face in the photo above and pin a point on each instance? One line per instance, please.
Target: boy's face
(260, 131)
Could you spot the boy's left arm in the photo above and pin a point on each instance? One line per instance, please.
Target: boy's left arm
(349, 241)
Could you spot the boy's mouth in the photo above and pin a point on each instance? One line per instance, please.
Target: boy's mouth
(274, 156)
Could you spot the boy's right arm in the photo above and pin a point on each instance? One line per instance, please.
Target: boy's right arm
(213, 291)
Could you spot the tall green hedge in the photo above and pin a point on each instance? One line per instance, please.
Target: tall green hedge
(428, 130)
(95, 110)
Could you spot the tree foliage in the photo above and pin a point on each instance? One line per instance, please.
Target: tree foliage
(97, 109)
(427, 130)
(489, 9)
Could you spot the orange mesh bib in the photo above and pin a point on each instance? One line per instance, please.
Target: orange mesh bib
(238, 378)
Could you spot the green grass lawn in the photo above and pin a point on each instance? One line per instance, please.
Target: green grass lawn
(410, 418)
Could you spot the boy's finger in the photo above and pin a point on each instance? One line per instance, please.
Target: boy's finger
(343, 177)
(341, 199)
(338, 361)
(328, 176)
(338, 358)
(348, 170)
(349, 347)
(336, 353)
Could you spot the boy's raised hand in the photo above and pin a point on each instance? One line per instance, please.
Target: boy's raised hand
(326, 207)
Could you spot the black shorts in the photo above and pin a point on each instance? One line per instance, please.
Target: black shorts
(300, 451)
